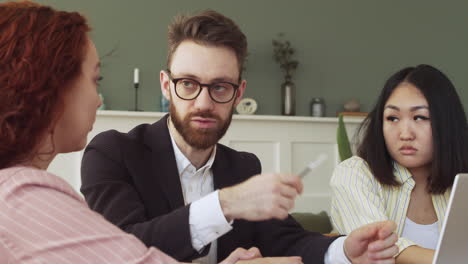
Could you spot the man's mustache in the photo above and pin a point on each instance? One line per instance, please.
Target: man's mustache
(204, 114)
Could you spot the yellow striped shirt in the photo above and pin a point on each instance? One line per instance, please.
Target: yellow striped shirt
(359, 199)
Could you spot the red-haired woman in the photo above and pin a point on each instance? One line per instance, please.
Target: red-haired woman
(49, 73)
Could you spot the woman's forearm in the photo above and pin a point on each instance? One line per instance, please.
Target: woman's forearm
(416, 255)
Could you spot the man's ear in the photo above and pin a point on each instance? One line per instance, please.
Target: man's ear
(240, 92)
(165, 84)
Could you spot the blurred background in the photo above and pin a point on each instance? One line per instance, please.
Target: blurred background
(345, 49)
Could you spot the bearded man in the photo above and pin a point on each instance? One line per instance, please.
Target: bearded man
(174, 187)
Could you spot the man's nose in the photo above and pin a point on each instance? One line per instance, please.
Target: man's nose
(203, 101)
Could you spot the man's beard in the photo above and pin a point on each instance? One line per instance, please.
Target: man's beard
(200, 138)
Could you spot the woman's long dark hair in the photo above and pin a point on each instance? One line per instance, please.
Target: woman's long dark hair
(448, 122)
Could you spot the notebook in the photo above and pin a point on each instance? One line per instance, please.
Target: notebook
(452, 247)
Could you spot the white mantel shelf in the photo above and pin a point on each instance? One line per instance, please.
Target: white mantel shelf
(283, 144)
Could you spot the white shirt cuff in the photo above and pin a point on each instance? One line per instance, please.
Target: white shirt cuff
(207, 221)
(335, 253)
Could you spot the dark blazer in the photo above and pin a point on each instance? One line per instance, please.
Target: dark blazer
(132, 180)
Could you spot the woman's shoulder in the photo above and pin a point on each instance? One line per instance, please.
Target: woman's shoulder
(14, 179)
(22, 173)
(18, 174)
(355, 162)
(354, 167)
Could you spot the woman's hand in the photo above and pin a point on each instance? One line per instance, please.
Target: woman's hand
(242, 254)
(253, 256)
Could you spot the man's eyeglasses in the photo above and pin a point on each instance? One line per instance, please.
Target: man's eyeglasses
(189, 89)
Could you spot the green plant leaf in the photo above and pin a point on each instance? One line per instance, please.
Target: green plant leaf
(344, 147)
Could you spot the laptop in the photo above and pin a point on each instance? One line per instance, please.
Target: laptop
(452, 247)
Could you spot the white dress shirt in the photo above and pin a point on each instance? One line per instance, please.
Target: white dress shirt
(206, 219)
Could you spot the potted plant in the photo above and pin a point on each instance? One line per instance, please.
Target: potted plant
(282, 54)
(344, 146)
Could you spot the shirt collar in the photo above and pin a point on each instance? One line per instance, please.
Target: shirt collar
(401, 173)
(183, 162)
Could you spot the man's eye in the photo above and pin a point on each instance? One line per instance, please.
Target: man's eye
(187, 84)
(219, 88)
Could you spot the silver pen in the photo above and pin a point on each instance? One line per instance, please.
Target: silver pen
(314, 164)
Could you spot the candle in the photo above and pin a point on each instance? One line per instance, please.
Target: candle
(136, 76)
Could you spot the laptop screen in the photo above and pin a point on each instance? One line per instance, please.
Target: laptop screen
(452, 247)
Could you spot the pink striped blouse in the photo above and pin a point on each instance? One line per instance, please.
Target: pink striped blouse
(43, 220)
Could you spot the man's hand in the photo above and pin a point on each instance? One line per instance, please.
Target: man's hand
(372, 244)
(261, 197)
(242, 254)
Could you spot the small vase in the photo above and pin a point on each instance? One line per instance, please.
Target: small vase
(288, 98)
(164, 104)
(317, 107)
(103, 106)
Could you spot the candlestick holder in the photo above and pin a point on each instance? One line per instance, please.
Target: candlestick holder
(136, 86)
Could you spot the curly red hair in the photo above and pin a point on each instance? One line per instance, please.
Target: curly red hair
(41, 52)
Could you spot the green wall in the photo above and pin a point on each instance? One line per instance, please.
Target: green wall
(346, 49)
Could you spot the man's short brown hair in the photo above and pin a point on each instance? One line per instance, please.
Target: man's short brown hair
(207, 28)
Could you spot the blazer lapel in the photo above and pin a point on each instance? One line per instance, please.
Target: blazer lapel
(162, 163)
(222, 175)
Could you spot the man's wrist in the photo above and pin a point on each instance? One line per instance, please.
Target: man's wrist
(336, 253)
(225, 203)
(207, 221)
(345, 251)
